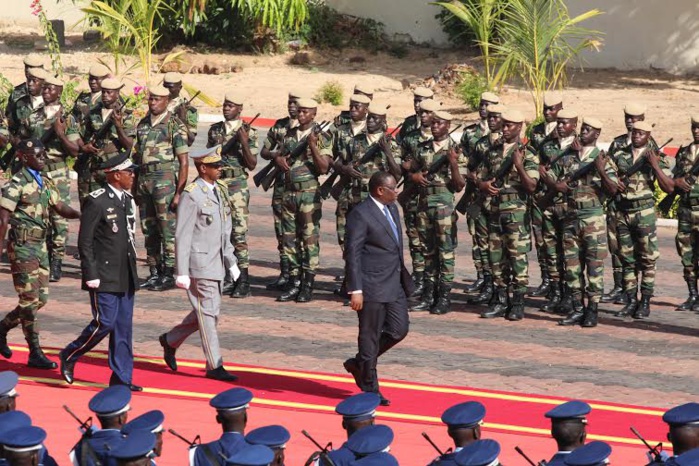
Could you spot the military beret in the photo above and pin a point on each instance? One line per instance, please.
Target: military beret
(643, 126)
(552, 98)
(478, 453)
(464, 415)
(53, 80)
(159, 91)
(684, 414)
(34, 144)
(98, 70)
(430, 105)
(695, 119)
(8, 382)
(371, 439)
(360, 99)
(234, 98)
(118, 162)
(297, 94)
(574, 409)
(490, 97)
(252, 455)
(38, 73)
(307, 103)
(424, 92)
(594, 453)
(592, 122)
(210, 155)
(688, 458)
(33, 61)
(172, 77)
(359, 407)
(443, 115)
(377, 459)
(634, 109)
(270, 436)
(497, 108)
(513, 116)
(152, 421)
(233, 399)
(111, 401)
(567, 114)
(138, 444)
(11, 420)
(361, 88)
(21, 439)
(112, 84)
(378, 108)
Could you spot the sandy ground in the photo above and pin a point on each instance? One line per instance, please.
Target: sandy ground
(266, 80)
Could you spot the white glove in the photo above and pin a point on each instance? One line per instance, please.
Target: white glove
(182, 282)
(93, 283)
(235, 272)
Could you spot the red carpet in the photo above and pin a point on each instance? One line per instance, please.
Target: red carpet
(306, 400)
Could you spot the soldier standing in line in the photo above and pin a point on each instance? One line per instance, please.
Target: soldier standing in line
(181, 107)
(270, 149)
(240, 141)
(88, 100)
(344, 117)
(20, 112)
(436, 217)
(31, 62)
(25, 207)
(413, 122)
(540, 134)
(162, 155)
(508, 227)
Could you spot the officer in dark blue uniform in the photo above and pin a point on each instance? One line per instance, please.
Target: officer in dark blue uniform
(23, 445)
(479, 453)
(568, 428)
(108, 260)
(594, 453)
(11, 420)
(232, 413)
(463, 426)
(683, 424)
(377, 459)
(111, 406)
(135, 450)
(370, 440)
(689, 458)
(8, 392)
(251, 455)
(274, 437)
(152, 421)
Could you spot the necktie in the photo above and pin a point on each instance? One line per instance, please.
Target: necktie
(390, 221)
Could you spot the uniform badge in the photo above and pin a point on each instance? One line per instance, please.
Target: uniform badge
(110, 210)
(115, 228)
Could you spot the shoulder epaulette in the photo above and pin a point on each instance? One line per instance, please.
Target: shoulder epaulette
(16, 179)
(190, 187)
(97, 192)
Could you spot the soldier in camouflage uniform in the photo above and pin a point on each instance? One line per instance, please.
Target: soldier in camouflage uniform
(25, 206)
(584, 231)
(162, 155)
(688, 215)
(270, 149)
(540, 134)
(19, 112)
(436, 216)
(636, 217)
(99, 143)
(472, 133)
(20, 91)
(408, 147)
(301, 206)
(413, 122)
(344, 117)
(509, 227)
(239, 142)
(87, 100)
(180, 107)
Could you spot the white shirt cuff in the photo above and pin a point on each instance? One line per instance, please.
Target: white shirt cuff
(355, 292)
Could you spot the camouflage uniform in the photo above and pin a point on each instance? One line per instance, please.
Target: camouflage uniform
(410, 124)
(84, 104)
(688, 215)
(191, 115)
(21, 91)
(235, 176)
(620, 142)
(358, 190)
(155, 151)
(20, 115)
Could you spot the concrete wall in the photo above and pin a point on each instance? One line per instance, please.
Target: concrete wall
(18, 12)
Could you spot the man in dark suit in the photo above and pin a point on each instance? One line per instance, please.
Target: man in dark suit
(108, 260)
(377, 280)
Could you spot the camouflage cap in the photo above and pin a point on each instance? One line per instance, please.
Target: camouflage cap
(30, 144)
(552, 98)
(112, 84)
(634, 109)
(360, 99)
(33, 61)
(490, 97)
(53, 80)
(98, 70)
(430, 105)
(307, 103)
(38, 73)
(592, 122)
(567, 114)
(513, 116)
(443, 115)
(423, 92)
(643, 126)
(363, 89)
(497, 108)
(159, 91)
(172, 77)
(378, 108)
(211, 155)
(234, 98)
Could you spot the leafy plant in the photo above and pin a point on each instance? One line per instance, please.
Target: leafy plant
(6, 88)
(50, 36)
(659, 195)
(330, 92)
(278, 15)
(70, 93)
(471, 86)
(458, 32)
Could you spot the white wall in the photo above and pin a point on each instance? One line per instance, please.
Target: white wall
(18, 12)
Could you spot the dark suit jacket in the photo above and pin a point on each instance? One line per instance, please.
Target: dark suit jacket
(373, 258)
(105, 253)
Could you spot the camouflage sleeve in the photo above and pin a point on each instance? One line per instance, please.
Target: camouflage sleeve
(531, 165)
(72, 128)
(325, 145)
(179, 139)
(192, 118)
(54, 194)
(11, 194)
(665, 165)
(211, 139)
(129, 124)
(272, 138)
(254, 140)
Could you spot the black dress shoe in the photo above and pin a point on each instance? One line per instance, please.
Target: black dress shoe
(384, 401)
(168, 352)
(134, 388)
(352, 367)
(221, 374)
(66, 368)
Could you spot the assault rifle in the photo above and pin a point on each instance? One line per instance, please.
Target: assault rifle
(434, 445)
(191, 443)
(268, 174)
(88, 455)
(571, 180)
(231, 142)
(625, 177)
(85, 426)
(655, 453)
(529, 460)
(97, 139)
(323, 453)
(185, 103)
(691, 178)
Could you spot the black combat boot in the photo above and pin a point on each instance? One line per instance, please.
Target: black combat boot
(544, 288)
(6, 325)
(153, 278)
(242, 285)
(630, 308)
(693, 296)
(554, 298)
(228, 283)
(166, 281)
(576, 314)
(427, 298)
(56, 270)
(486, 293)
(443, 301)
(306, 293)
(566, 305)
(499, 306)
(643, 308)
(615, 293)
(37, 358)
(477, 285)
(291, 290)
(419, 279)
(590, 317)
(283, 279)
(516, 311)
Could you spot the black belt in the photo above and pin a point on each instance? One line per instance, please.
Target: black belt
(231, 172)
(28, 234)
(639, 204)
(507, 197)
(578, 205)
(156, 167)
(438, 189)
(50, 167)
(302, 185)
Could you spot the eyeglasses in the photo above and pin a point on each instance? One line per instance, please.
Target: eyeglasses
(213, 165)
(393, 188)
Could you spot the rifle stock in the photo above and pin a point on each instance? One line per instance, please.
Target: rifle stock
(226, 148)
(323, 450)
(655, 451)
(85, 426)
(625, 177)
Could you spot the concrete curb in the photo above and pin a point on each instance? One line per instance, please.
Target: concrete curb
(667, 223)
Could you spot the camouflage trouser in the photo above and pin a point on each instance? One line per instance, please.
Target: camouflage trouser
(158, 223)
(437, 230)
(687, 241)
(613, 237)
(552, 229)
(239, 195)
(301, 213)
(416, 248)
(478, 227)
(638, 247)
(88, 182)
(509, 242)
(538, 234)
(58, 227)
(341, 211)
(584, 243)
(277, 196)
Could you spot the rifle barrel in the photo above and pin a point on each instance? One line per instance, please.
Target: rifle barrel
(434, 445)
(309, 437)
(524, 455)
(173, 432)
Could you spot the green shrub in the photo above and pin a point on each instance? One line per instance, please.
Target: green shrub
(530, 127)
(330, 92)
(659, 195)
(457, 31)
(470, 87)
